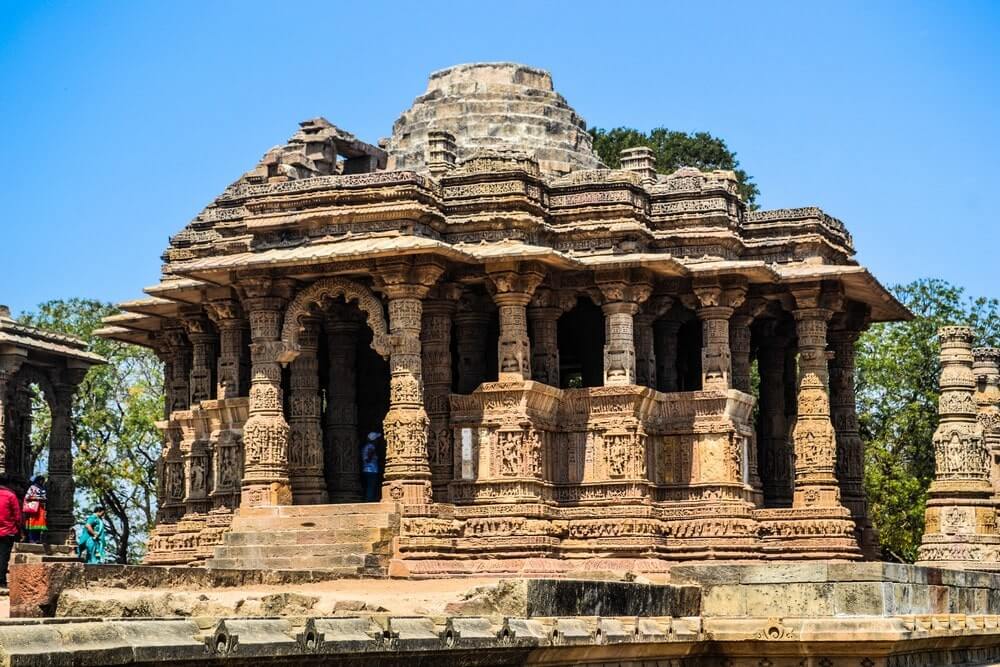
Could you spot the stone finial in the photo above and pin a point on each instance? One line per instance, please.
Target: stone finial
(641, 161)
(441, 152)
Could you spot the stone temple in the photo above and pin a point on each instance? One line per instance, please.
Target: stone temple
(618, 415)
(559, 354)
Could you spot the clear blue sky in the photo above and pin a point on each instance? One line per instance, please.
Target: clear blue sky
(121, 120)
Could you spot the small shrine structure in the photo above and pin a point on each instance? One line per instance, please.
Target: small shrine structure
(560, 355)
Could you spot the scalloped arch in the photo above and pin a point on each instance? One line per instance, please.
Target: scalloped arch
(329, 288)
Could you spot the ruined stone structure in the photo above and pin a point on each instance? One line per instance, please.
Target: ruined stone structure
(558, 354)
(50, 365)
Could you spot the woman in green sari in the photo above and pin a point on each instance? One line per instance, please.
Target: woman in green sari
(91, 540)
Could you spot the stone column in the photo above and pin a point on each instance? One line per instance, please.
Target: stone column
(202, 337)
(960, 527)
(543, 316)
(739, 345)
(407, 468)
(776, 458)
(471, 327)
(9, 365)
(624, 292)
(436, 350)
(232, 371)
(179, 349)
(60, 483)
(813, 436)
(512, 286)
(645, 339)
(665, 344)
(266, 433)
(714, 305)
(850, 468)
(342, 443)
(305, 447)
(987, 397)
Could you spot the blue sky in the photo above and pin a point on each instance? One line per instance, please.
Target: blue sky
(120, 120)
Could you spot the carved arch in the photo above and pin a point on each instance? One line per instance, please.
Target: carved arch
(331, 288)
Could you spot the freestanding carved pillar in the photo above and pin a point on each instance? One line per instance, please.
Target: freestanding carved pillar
(471, 326)
(960, 527)
(407, 468)
(645, 339)
(436, 350)
(179, 349)
(543, 316)
(714, 306)
(624, 292)
(739, 344)
(776, 458)
(665, 344)
(512, 287)
(342, 440)
(202, 339)
(266, 433)
(850, 448)
(305, 448)
(232, 371)
(9, 365)
(60, 482)
(987, 370)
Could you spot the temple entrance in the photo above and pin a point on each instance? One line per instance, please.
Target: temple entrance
(580, 333)
(354, 382)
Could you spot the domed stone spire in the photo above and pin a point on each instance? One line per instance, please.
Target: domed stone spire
(497, 106)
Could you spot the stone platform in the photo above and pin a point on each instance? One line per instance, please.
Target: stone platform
(774, 615)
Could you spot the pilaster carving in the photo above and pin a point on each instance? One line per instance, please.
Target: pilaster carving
(9, 365)
(511, 285)
(305, 447)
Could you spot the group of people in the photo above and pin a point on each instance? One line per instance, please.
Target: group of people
(26, 518)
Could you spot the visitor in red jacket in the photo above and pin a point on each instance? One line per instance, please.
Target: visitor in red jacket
(10, 526)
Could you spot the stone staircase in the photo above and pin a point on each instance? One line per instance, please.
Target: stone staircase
(349, 540)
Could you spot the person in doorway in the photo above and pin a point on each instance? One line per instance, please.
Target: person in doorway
(91, 541)
(370, 467)
(35, 512)
(10, 526)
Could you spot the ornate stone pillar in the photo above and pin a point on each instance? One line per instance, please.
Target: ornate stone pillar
(739, 345)
(960, 527)
(850, 468)
(202, 337)
(436, 350)
(543, 316)
(471, 327)
(60, 483)
(714, 305)
(179, 349)
(232, 371)
(305, 447)
(266, 433)
(645, 339)
(624, 292)
(342, 442)
(9, 365)
(776, 458)
(512, 286)
(987, 397)
(665, 344)
(407, 468)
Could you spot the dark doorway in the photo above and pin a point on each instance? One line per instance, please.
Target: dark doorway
(581, 346)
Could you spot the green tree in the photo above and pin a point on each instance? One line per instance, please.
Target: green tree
(674, 150)
(115, 440)
(897, 390)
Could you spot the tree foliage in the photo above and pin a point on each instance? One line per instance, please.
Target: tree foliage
(898, 369)
(115, 440)
(674, 150)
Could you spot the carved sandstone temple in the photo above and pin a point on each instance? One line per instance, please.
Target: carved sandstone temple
(36, 363)
(560, 355)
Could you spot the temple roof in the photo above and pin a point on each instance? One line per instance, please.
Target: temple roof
(494, 105)
(14, 335)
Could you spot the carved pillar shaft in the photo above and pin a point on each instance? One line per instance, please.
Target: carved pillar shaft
(305, 447)
(407, 469)
(266, 433)
(436, 352)
(232, 372)
(739, 346)
(513, 348)
(716, 357)
(341, 439)
(665, 341)
(179, 394)
(645, 350)
(471, 328)
(776, 458)
(987, 370)
(8, 367)
(619, 347)
(60, 482)
(544, 322)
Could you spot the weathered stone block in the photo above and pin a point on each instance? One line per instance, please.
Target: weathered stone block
(784, 573)
(858, 598)
(796, 599)
(570, 597)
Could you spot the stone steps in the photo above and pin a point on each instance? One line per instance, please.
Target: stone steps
(341, 540)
